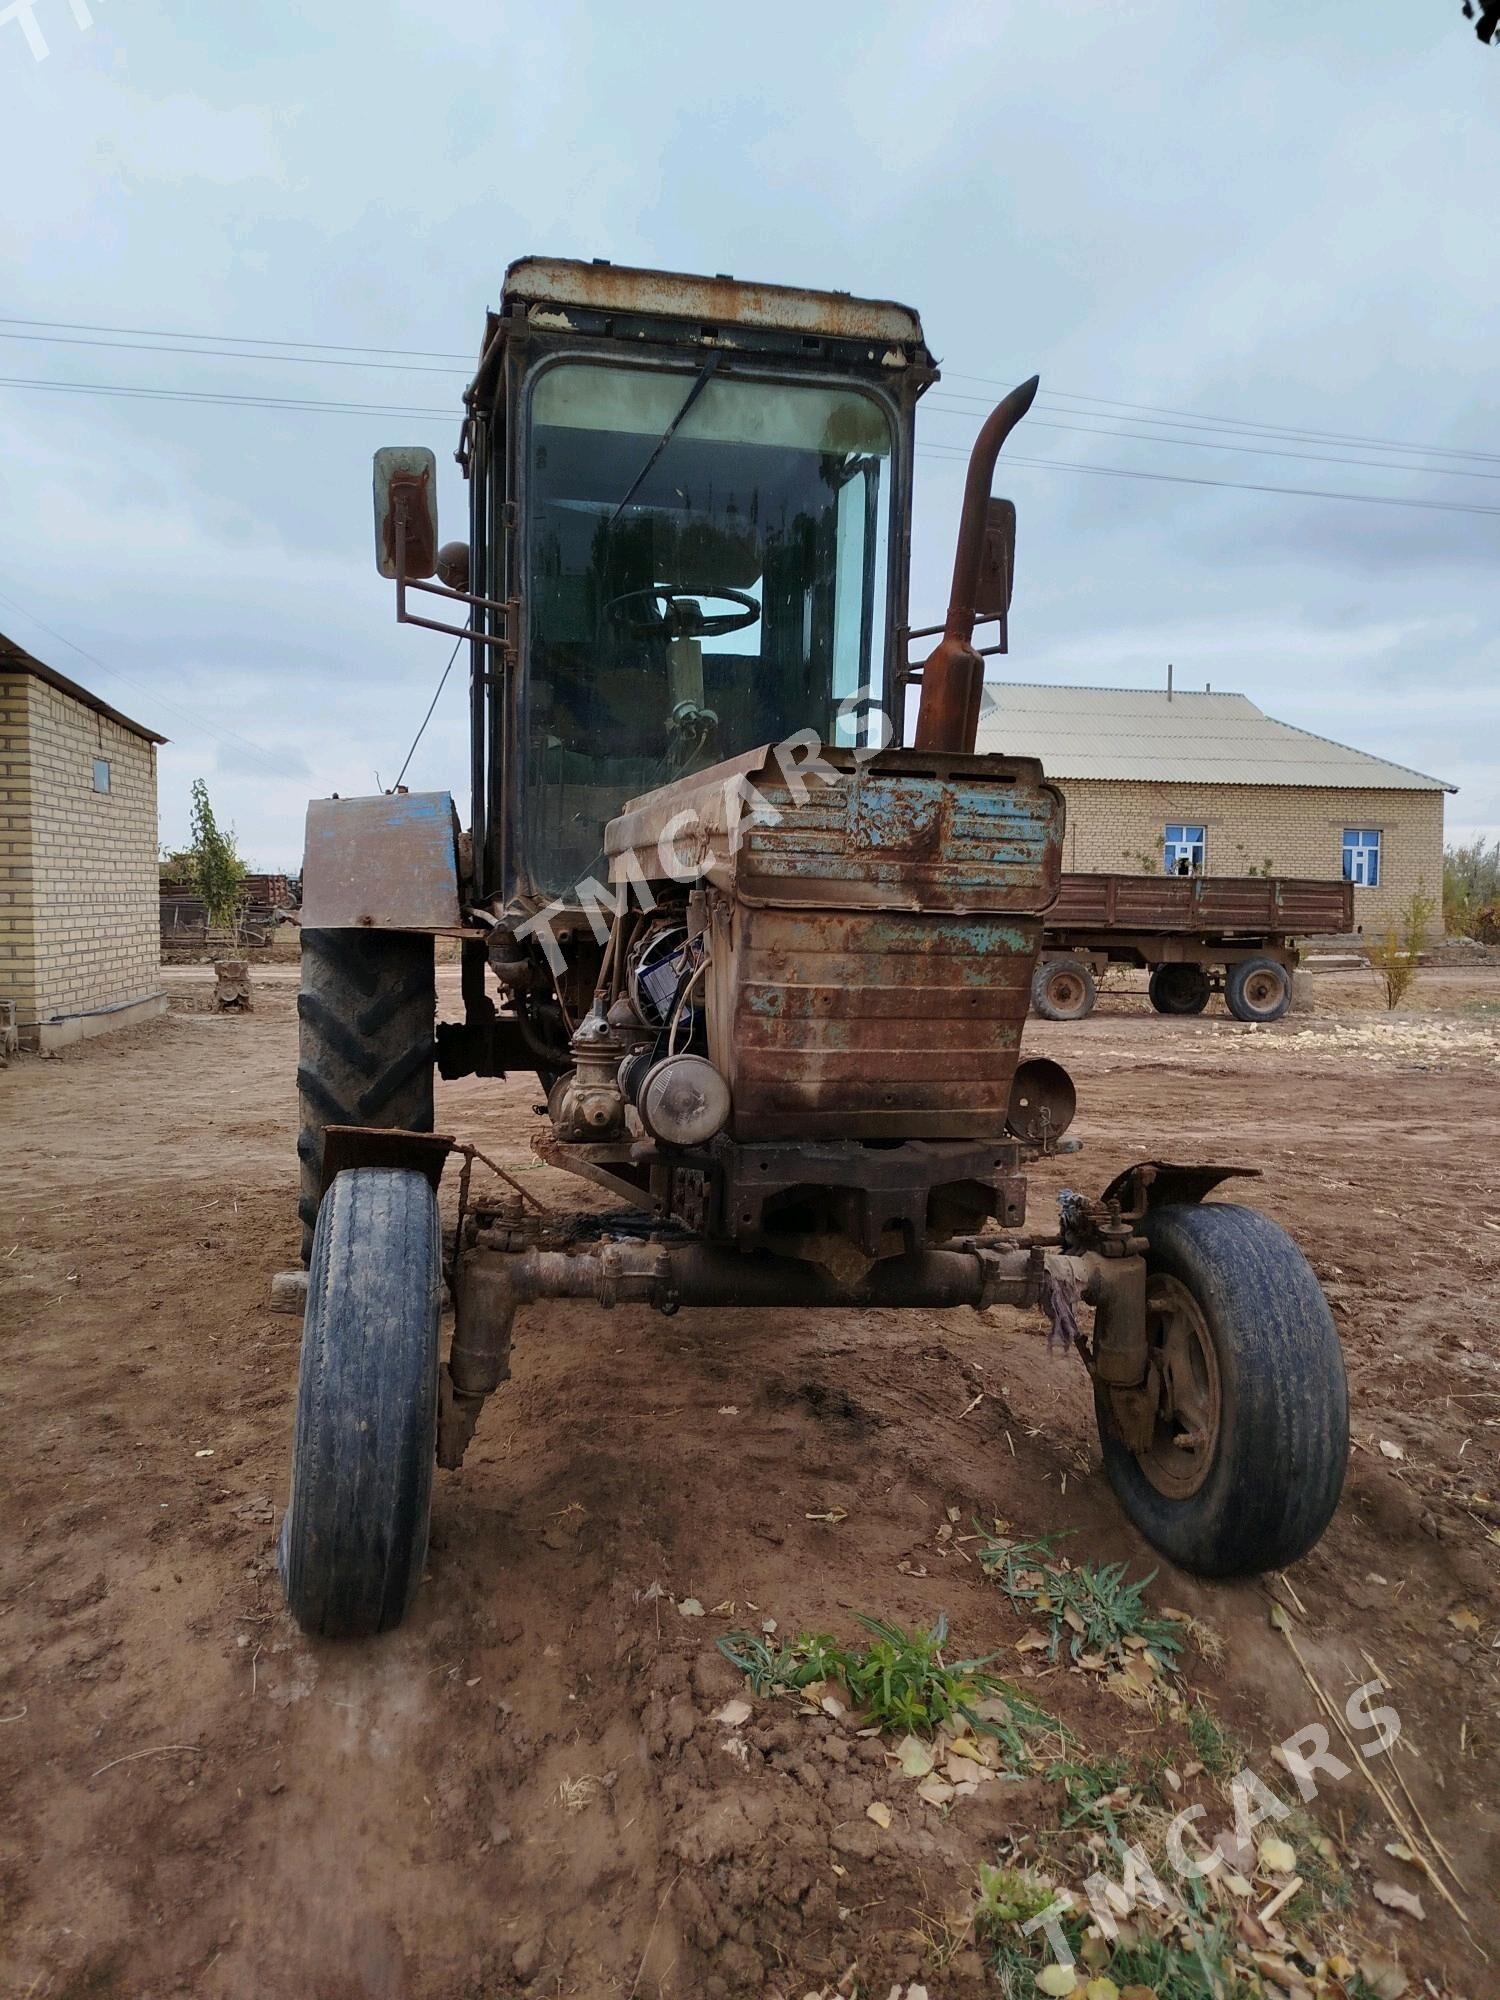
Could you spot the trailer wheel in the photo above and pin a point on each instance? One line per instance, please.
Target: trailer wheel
(1179, 989)
(1251, 1409)
(1258, 989)
(1063, 989)
(366, 1049)
(354, 1536)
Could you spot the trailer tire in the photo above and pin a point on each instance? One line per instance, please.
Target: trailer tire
(1063, 989)
(366, 1047)
(354, 1536)
(1232, 1298)
(1258, 989)
(1179, 988)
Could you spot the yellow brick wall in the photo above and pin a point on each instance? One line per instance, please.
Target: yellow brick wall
(78, 866)
(17, 918)
(1114, 823)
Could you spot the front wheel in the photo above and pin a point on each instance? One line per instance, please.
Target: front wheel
(354, 1537)
(1250, 1437)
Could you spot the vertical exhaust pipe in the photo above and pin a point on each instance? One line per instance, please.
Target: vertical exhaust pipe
(953, 678)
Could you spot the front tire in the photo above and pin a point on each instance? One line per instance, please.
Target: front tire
(365, 1055)
(1251, 1437)
(354, 1537)
(1258, 989)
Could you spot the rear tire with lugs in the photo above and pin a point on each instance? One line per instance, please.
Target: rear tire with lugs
(354, 1537)
(1247, 1459)
(365, 1055)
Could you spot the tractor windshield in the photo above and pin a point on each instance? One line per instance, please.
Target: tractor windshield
(707, 563)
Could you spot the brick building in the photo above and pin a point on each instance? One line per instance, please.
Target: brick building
(1209, 782)
(79, 947)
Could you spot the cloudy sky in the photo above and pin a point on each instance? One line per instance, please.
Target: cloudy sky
(1279, 214)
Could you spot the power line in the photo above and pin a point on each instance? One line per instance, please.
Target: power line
(1224, 444)
(229, 397)
(1199, 421)
(238, 339)
(230, 354)
(949, 454)
(421, 414)
(184, 715)
(226, 344)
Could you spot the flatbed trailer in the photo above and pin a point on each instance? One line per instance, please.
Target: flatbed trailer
(1196, 935)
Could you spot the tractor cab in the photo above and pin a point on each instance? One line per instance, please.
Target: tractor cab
(689, 512)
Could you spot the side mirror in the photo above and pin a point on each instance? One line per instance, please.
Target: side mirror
(406, 497)
(997, 561)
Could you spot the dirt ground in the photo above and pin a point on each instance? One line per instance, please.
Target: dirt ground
(523, 1790)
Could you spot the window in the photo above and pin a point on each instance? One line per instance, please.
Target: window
(101, 774)
(1184, 848)
(1362, 856)
(708, 570)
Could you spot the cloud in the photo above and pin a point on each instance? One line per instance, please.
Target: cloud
(1242, 213)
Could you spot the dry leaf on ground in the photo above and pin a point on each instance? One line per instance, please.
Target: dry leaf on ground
(915, 1757)
(1396, 1898)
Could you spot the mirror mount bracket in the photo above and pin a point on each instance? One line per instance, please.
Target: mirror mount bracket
(503, 641)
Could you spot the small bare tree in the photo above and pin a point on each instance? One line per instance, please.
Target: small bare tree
(1395, 955)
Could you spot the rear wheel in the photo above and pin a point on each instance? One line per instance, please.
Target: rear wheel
(1063, 989)
(1246, 1458)
(366, 1048)
(1258, 989)
(354, 1537)
(1179, 989)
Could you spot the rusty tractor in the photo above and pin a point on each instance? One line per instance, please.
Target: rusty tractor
(769, 961)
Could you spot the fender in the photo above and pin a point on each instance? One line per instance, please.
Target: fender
(1151, 1182)
(388, 863)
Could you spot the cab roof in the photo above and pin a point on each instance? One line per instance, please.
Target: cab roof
(540, 283)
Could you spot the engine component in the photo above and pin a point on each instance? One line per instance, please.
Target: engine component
(586, 1104)
(656, 977)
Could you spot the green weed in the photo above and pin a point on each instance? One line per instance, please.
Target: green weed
(1087, 1783)
(1099, 1608)
(1213, 1746)
(900, 1680)
(1200, 1969)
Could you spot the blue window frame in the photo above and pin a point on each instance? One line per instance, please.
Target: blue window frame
(1362, 856)
(1184, 849)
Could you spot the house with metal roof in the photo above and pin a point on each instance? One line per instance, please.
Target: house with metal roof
(1208, 783)
(79, 930)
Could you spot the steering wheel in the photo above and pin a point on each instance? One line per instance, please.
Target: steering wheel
(681, 616)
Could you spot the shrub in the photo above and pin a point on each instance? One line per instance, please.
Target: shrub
(1395, 955)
